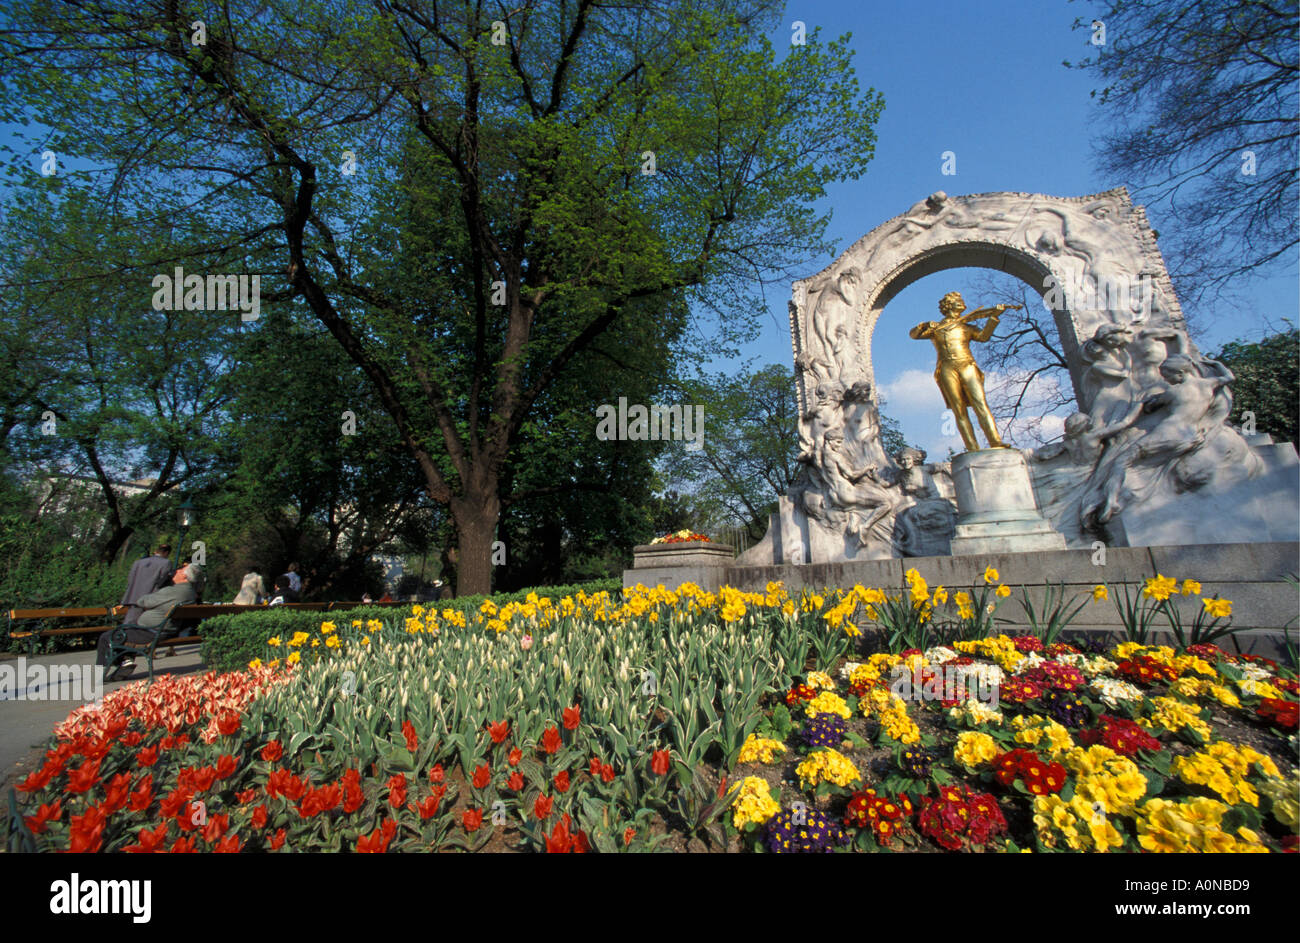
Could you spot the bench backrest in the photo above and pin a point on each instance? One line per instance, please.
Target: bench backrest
(83, 613)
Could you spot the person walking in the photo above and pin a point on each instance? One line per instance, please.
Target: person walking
(148, 574)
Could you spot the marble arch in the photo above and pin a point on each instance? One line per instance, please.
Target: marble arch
(1099, 250)
(1148, 459)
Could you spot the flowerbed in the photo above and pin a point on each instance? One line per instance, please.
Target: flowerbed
(681, 537)
(675, 720)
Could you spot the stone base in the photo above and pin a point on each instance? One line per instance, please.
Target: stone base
(996, 511)
(1006, 537)
(673, 564)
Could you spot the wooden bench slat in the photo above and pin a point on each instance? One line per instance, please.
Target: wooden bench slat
(75, 630)
(59, 613)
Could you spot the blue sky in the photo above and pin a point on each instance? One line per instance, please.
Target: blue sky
(986, 81)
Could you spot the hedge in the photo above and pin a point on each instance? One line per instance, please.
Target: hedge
(231, 642)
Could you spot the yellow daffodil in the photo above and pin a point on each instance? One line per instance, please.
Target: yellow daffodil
(1219, 608)
(991, 575)
(1099, 593)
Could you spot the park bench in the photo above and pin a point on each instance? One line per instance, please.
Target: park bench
(84, 612)
(118, 644)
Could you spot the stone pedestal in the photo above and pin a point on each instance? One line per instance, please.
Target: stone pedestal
(996, 511)
(698, 562)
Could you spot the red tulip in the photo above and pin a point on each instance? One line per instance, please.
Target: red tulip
(273, 751)
(147, 757)
(408, 731)
(551, 739)
(116, 792)
(174, 802)
(472, 819)
(562, 781)
(277, 841)
(572, 717)
(595, 767)
(659, 762)
(149, 840)
(86, 834)
(45, 813)
(628, 834)
(260, 816)
(185, 846)
(226, 766)
(216, 827)
(515, 782)
(228, 723)
(230, 845)
(542, 807)
(377, 841)
(559, 841)
(397, 791)
(515, 756)
(436, 774)
(429, 807)
(498, 731)
(353, 797)
(37, 779)
(84, 776)
(607, 773)
(203, 778)
(482, 776)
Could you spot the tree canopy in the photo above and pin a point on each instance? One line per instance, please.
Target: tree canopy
(466, 195)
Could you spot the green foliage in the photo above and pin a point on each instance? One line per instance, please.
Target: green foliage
(1267, 383)
(1048, 621)
(231, 642)
(43, 568)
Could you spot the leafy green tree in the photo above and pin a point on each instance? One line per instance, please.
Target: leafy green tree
(1267, 384)
(111, 389)
(586, 160)
(748, 457)
(318, 475)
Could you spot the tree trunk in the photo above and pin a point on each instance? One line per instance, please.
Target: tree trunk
(121, 534)
(476, 518)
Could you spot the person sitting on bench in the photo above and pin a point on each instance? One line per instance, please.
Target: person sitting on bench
(283, 592)
(157, 608)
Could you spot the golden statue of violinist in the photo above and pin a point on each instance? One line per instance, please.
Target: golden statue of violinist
(960, 379)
